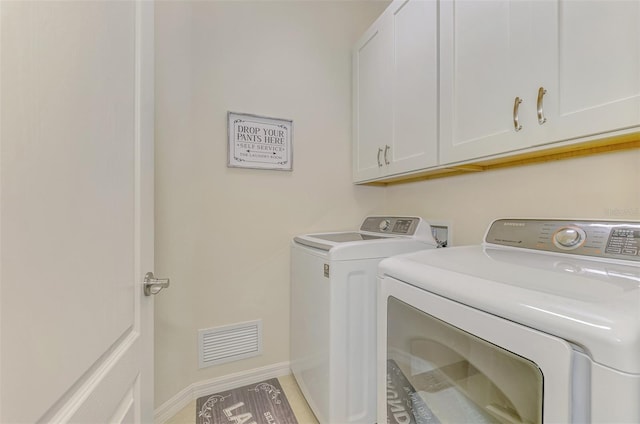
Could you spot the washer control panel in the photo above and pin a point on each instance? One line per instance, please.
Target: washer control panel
(606, 239)
(403, 226)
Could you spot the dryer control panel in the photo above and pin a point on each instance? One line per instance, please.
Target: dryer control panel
(605, 239)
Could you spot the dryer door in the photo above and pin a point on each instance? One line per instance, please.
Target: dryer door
(443, 362)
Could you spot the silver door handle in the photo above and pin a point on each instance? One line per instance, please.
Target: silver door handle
(153, 285)
(386, 151)
(516, 119)
(379, 151)
(541, 117)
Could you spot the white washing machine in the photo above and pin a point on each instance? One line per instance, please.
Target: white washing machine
(333, 311)
(541, 323)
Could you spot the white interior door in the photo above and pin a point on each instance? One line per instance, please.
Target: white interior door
(76, 211)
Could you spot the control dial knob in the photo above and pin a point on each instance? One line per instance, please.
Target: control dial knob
(568, 238)
(385, 224)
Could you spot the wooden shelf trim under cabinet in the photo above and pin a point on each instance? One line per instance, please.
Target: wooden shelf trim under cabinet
(600, 146)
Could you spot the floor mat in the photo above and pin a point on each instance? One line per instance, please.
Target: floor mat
(404, 405)
(260, 403)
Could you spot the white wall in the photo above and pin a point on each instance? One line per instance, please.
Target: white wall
(605, 186)
(223, 234)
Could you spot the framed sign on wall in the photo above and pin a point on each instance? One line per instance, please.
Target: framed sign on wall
(259, 142)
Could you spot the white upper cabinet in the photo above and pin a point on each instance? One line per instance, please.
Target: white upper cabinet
(487, 67)
(372, 107)
(396, 92)
(440, 83)
(518, 74)
(595, 58)
(415, 86)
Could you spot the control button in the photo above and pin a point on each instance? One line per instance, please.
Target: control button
(568, 237)
(384, 225)
(632, 252)
(613, 251)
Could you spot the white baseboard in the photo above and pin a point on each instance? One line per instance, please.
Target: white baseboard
(215, 385)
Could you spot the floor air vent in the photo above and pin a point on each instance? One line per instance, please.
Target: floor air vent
(229, 343)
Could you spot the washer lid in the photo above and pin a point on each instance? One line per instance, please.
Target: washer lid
(339, 247)
(318, 240)
(594, 304)
(379, 237)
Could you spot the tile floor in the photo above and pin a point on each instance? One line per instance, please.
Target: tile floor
(299, 405)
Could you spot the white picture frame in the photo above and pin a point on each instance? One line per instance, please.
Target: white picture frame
(259, 142)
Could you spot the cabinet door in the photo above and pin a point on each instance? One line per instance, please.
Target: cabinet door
(372, 108)
(596, 62)
(485, 63)
(415, 86)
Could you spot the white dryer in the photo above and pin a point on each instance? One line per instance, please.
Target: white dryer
(333, 311)
(541, 323)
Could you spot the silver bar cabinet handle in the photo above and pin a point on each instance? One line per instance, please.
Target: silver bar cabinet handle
(541, 117)
(379, 151)
(153, 285)
(386, 151)
(516, 119)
